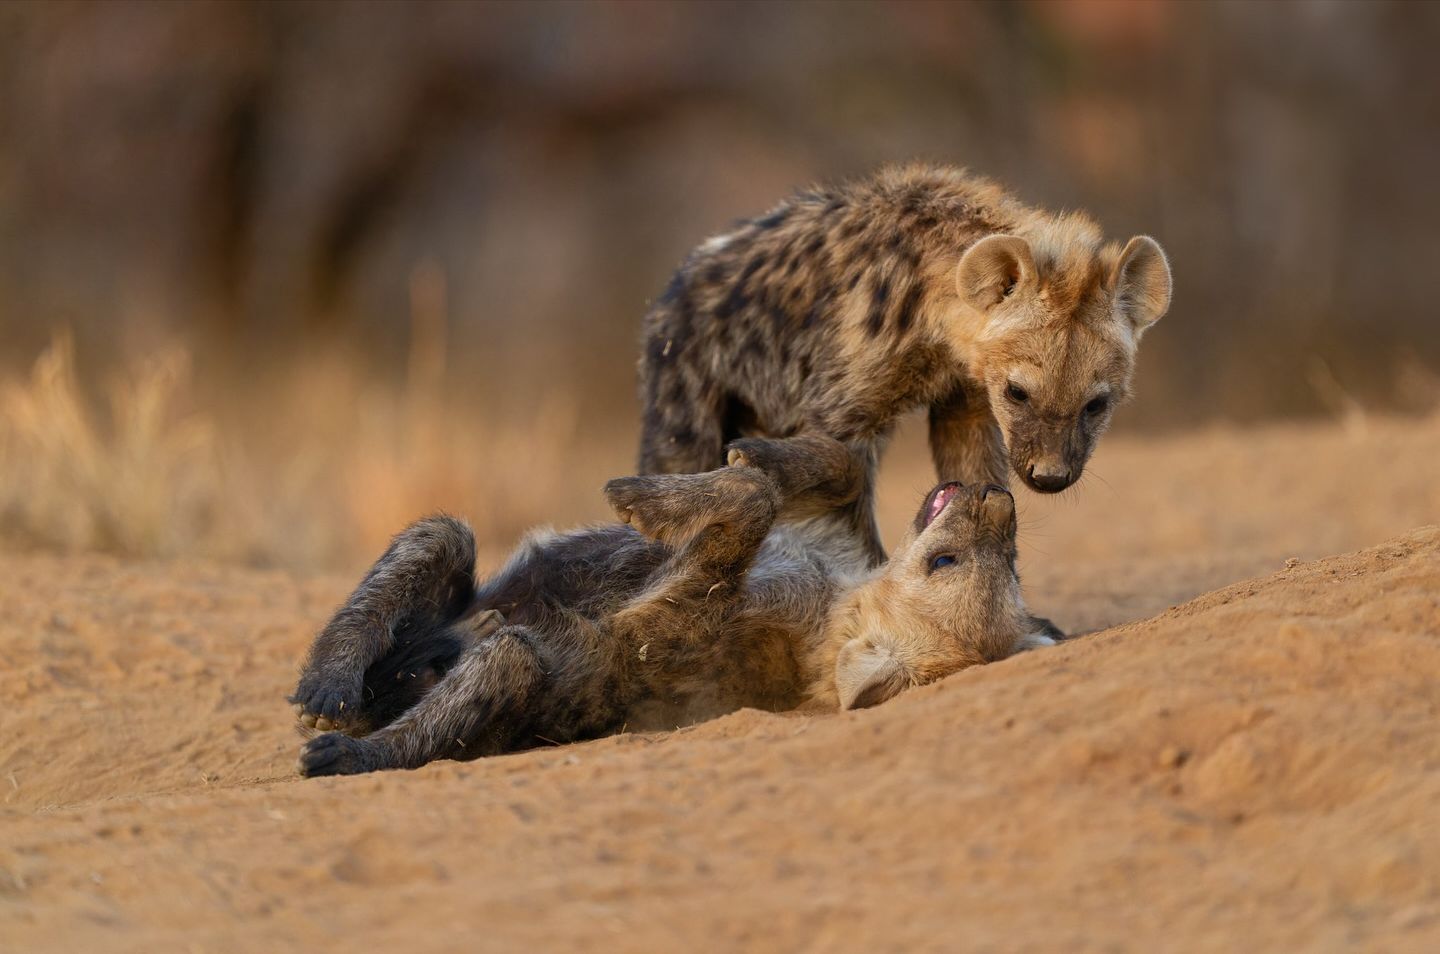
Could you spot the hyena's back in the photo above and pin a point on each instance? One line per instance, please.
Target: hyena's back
(810, 316)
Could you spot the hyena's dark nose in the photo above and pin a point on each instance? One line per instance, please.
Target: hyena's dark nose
(1049, 481)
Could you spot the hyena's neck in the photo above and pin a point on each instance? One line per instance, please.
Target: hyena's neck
(843, 623)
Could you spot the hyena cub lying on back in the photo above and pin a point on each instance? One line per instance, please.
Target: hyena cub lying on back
(843, 308)
(744, 586)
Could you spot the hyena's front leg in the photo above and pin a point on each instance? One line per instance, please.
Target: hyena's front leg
(424, 580)
(476, 709)
(965, 440)
(715, 523)
(811, 471)
(818, 474)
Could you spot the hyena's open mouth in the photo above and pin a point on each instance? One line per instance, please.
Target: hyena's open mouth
(936, 503)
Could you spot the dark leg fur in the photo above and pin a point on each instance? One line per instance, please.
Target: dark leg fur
(809, 470)
(476, 709)
(717, 522)
(674, 508)
(402, 677)
(818, 474)
(965, 441)
(424, 580)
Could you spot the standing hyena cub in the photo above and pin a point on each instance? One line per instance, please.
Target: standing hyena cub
(744, 586)
(845, 307)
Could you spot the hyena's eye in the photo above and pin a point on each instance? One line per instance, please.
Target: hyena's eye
(1096, 405)
(942, 561)
(1016, 393)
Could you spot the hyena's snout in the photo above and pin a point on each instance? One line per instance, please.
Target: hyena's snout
(1049, 476)
(1046, 457)
(996, 512)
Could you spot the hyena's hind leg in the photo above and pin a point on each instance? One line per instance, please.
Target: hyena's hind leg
(797, 474)
(400, 679)
(682, 428)
(477, 708)
(425, 579)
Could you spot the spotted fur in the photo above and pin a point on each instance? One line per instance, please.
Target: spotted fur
(844, 307)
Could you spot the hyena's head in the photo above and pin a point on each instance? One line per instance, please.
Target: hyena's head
(1062, 317)
(949, 598)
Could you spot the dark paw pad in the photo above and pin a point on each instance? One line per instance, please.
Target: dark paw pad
(325, 701)
(337, 754)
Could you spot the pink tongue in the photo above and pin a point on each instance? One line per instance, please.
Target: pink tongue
(941, 499)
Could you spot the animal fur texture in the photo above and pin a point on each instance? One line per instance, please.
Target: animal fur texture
(742, 586)
(844, 307)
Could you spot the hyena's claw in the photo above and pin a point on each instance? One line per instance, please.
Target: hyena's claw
(337, 754)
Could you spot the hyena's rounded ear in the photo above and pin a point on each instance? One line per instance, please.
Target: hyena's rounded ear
(867, 675)
(1142, 282)
(993, 269)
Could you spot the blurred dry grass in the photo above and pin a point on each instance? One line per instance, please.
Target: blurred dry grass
(314, 469)
(145, 480)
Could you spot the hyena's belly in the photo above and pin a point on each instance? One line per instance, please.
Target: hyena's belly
(745, 670)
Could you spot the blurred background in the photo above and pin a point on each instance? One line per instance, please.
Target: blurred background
(275, 278)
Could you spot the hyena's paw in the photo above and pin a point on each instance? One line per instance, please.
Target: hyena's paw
(648, 505)
(626, 494)
(1031, 641)
(752, 452)
(670, 507)
(326, 700)
(1041, 626)
(336, 754)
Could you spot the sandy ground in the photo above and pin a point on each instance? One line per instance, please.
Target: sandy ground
(1256, 768)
